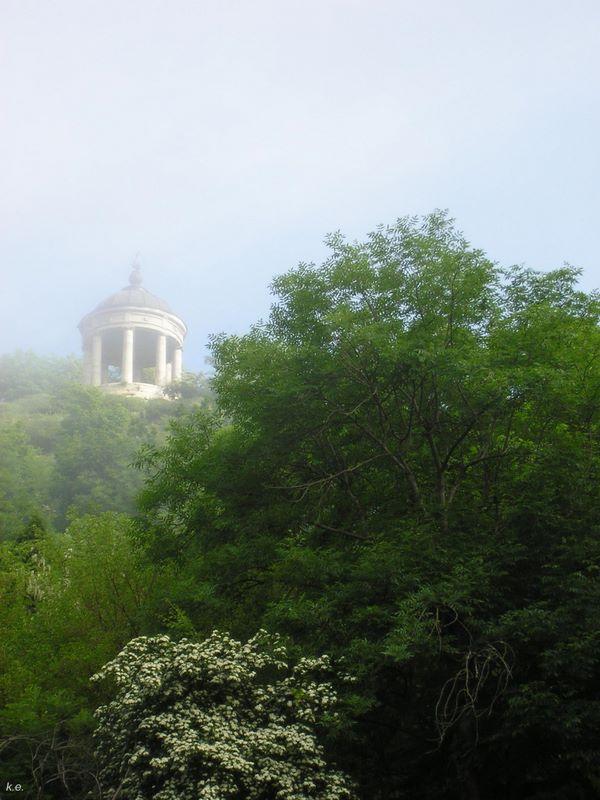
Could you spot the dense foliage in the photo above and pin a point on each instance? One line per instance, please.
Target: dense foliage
(68, 603)
(410, 479)
(402, 471)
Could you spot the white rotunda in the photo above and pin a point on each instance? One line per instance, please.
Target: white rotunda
(132, 343)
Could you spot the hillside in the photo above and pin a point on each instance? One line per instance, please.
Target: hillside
(67, 450)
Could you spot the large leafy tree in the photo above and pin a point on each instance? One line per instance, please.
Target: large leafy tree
(407, 474)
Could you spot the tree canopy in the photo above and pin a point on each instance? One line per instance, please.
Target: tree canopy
(407, 475)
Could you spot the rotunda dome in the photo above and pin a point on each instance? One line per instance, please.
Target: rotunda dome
(134, 296)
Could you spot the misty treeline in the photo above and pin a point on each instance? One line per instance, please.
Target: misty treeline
(369, 568)
(66, 450)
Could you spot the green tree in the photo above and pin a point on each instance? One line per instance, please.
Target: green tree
(409, 477)
(68, 603)
(192, 386)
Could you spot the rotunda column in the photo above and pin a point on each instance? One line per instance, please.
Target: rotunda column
(87, 363)
(161, 360)
(97, 360)
(177, 364)
(127, 368)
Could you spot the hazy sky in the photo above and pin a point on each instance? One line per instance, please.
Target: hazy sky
(222, 140)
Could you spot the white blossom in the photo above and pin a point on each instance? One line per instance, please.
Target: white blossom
(216, 720)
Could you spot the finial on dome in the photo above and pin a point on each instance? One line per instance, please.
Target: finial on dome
(135, 279)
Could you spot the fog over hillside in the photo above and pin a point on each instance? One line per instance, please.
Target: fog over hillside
(223, 140)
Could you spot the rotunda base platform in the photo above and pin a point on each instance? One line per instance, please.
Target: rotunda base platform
(146, 391)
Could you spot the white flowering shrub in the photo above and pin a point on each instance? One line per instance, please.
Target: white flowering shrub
(215, 720)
